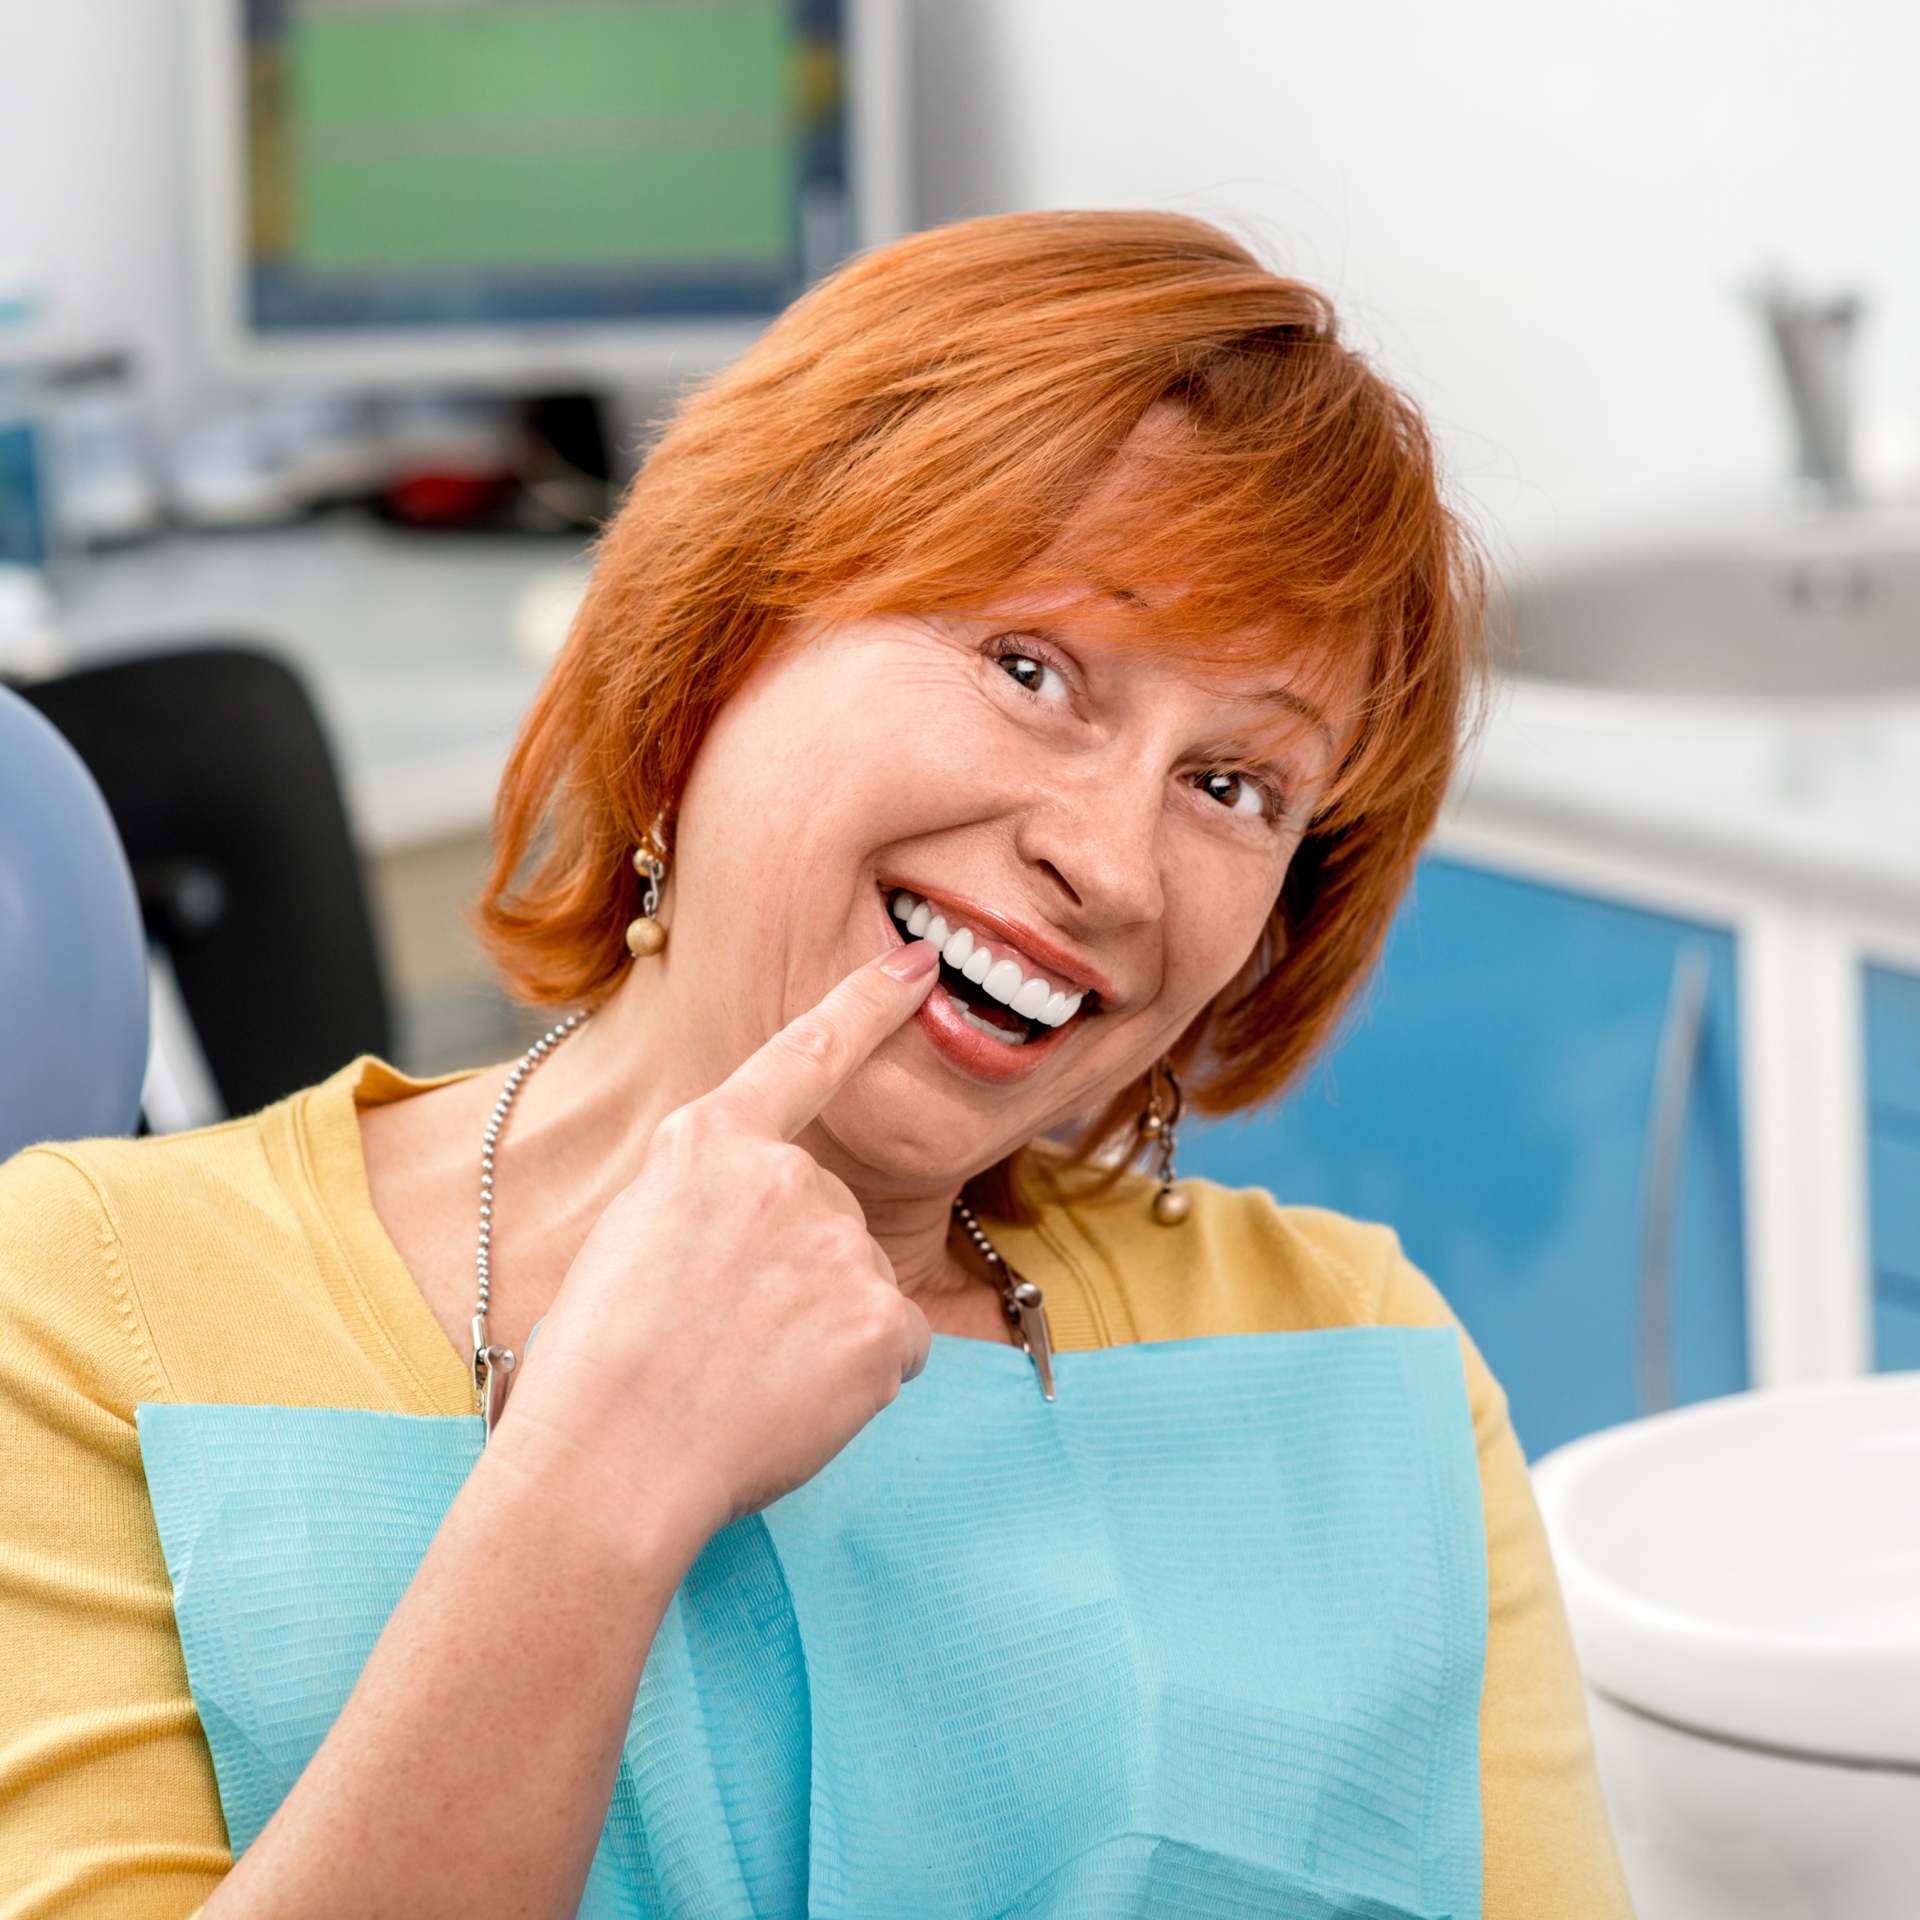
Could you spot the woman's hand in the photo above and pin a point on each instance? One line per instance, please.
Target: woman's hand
(730, 1324)
(727, 1328)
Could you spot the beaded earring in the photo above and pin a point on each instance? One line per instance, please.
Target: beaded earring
(1159, 1125)
(645, 935)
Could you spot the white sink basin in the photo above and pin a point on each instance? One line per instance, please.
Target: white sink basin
(1743, 1583)
(1826, 606)
(1750, 1568)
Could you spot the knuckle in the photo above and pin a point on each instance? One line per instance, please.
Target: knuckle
(814, 1046)
(693, 1142)
(705, 1121)
(684, 1129)
(877, 1316)
(789, 1173)
(851, 1244)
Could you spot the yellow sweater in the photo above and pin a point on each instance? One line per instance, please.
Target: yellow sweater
(246, 1265)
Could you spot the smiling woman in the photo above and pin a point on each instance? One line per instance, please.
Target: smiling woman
(1011, 701)
(943, 425)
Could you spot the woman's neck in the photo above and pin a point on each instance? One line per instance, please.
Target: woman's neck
(578, 1132)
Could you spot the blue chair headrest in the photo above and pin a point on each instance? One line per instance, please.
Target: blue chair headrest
(73, 956)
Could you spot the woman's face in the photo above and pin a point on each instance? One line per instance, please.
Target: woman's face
(1098, 816)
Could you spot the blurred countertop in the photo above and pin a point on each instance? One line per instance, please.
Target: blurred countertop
(422, 650)
(1818, 797)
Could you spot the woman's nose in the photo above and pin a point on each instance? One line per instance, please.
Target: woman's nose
(1095, 835)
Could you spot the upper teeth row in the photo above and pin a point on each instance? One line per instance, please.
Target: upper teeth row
(1027, 994)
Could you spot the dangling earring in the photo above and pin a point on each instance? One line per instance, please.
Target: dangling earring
(645, 935)
(1159, 1124)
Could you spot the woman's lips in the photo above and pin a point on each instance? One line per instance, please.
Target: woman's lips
(975, 1052)
(965, 1035)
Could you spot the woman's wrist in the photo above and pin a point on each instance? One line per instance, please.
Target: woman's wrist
(635, 1497)
(530, 1621)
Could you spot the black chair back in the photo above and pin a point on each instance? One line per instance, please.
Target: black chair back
(215, 768)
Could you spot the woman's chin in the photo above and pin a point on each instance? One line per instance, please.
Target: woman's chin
(938, 1101)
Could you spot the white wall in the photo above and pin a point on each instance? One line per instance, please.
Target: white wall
(91, 175)
(1541, 215)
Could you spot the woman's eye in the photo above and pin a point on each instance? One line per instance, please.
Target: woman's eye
(1236, 792)
(1039, 678)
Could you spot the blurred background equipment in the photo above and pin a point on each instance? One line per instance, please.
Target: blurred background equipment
(1818, 599)
(26, 493)
(73, 972)
(29, 621)
(105, 490)
(219, 779)
(1813, 338)
(421, 652)
(544, 195)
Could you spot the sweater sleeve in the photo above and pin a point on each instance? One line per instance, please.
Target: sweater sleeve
(108, 1804)
(1549, 1852)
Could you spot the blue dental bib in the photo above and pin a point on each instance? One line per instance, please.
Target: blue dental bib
(1202, 1639)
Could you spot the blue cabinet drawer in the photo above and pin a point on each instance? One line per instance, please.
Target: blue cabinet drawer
(1893, 1173)
(1491, 1100)
(1892, 1008)
(1893, 1040)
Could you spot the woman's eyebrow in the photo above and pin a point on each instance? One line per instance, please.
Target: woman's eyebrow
(1286, 697)
(1106, 588)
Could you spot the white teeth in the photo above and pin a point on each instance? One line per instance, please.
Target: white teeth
(1031, 998)
(1005, 1035)
(1003, 981)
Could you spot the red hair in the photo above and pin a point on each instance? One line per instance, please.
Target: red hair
(924, 429)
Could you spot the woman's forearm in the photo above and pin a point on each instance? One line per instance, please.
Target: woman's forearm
(471, 1770)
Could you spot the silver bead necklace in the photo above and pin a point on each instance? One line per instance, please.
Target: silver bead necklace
(493, 1365)
(1021, 1301)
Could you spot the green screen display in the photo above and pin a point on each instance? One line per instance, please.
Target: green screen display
(538, 132)
(449, 162)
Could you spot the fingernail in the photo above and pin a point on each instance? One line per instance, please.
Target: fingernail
(914, 961)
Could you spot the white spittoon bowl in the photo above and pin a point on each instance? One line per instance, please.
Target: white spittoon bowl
(1743, 1583)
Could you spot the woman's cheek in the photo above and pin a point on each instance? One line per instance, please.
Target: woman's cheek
(1216, 912)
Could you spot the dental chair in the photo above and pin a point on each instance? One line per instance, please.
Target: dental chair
(73, 957)
(219, 777)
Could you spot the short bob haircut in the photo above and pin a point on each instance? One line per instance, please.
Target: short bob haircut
(921, 433)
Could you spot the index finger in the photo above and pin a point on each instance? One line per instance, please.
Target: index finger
(785, 1084)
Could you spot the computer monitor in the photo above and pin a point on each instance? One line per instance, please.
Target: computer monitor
(540, 193)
